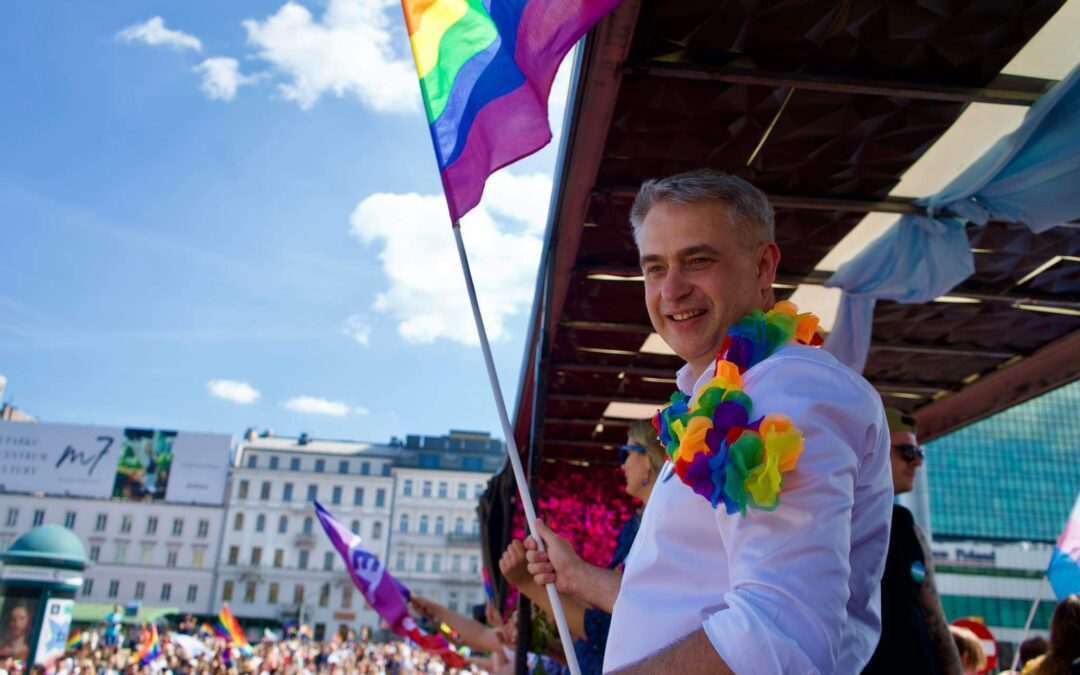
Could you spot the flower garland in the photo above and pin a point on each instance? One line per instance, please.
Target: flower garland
(714, 446)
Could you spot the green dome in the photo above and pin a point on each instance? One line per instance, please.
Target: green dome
(47, 545)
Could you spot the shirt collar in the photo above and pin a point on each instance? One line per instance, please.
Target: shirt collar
(684, 379)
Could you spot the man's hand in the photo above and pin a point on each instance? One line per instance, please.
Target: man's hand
(424, 606)
(558, 564)
(514, 566)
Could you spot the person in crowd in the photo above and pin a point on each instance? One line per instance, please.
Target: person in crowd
(113, 623)
(969, 646)
(1063, 648)
(1031, 649)
(915, 635)
(641, 460)
(745, 563)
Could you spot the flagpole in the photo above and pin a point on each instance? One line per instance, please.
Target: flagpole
(1027, 625)
(512, 450)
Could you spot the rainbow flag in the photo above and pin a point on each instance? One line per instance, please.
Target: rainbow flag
(150, 648)
(229, 628)
(75, 641)
(485, 69)
(1064, 569)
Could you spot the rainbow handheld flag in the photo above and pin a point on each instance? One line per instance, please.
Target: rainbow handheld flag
(229, 628)
(485, 69)
(1064, 569)
(150, 648)
(75, 641)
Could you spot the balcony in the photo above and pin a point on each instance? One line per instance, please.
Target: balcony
(304, 541)
(463, 539)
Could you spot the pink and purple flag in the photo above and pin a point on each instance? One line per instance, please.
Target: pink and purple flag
(1064, 570)
(485, 69)
(384, 593)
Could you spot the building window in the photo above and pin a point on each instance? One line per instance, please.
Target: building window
(453, 602)
(386, 469)
(274, 462)
(39, 517)
(403, 523)
(114, 588)
(256, 556)
(429, 461)
(343, 466)
(286, 493)
(376, 530)
(475, 529)
(69, 519)
(380, 497)
(420, 560)
(298, 594)
(283, 525)
(406, 488)
(324, 595)
(312, 492)
(140, 590)
(423, 524)
(474, 563)
(242, 489)
(272, 594)
(151, 525)
(320, 465)
(192, 592)
(252, 461)
(459, 525)
(121, 553)
(204, 529)
(455, 563)
(260, 523)
(303, 559)
(478, 491)
(443, 488)
(99, 524)
(358, 497)
(166, 591)
(346, 597)
(436, 562)
(146, 553)
(234, 555)
(462, 490)
(238, 521)
(440, 525)
(426, 492)
(472, 463)
(335, 496)
(197, 558)
(177, 527)
(355, 527)
(264, 490)
(399, 562)
(95, 553)
(365, 468)
(87, 587)
(307, 525)
(125, 524)
(13, 516)
(249, 592)
(328, 561)
(227, 590)
(294, 464)
(279, 557)
(170, 559)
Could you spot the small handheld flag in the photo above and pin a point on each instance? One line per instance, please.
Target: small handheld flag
(150, 649)
(229, 628)
(1064, 569)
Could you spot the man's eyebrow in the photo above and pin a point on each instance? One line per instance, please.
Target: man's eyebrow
(687, 252)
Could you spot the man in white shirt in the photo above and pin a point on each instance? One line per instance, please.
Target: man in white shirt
(792, 590)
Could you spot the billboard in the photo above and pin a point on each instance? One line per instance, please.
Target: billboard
(104, 462)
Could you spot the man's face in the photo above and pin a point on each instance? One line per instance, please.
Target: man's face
(903, 472)
(699, 278)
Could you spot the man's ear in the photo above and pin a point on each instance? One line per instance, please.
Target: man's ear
(768, 262)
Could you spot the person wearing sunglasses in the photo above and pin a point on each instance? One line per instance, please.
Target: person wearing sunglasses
(915, 636)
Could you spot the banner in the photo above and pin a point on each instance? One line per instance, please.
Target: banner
(52, 640)
(122, 463)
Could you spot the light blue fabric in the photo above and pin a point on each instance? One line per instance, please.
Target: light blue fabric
(1031, 176)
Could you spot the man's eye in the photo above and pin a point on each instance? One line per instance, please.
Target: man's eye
(653, 270)
(698, 262)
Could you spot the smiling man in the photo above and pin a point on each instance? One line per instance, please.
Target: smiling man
(764, 540)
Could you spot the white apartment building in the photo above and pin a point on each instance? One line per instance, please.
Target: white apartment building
(435, 542)
(277, 563)
(157, 553)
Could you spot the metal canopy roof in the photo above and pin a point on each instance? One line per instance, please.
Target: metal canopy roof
(824, 105)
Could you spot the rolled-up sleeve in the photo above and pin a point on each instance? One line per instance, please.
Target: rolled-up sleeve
(785, 611)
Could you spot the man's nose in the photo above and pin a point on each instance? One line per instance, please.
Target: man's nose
(676, 285)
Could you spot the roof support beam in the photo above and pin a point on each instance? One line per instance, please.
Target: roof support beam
(1052, 366)
(1004, 90)
(581, 422)
(637, 371)
(594, 398)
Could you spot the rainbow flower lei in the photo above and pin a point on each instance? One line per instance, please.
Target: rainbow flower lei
(715, 447)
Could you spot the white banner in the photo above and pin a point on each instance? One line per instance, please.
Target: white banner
(55, 625)
(104, 462)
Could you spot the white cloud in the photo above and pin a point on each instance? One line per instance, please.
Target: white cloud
(153, 32)
(426, 293)
(316, 406)
(349, 50)
(221, 77)
(358, 329)
(230, 390)
(361, 411)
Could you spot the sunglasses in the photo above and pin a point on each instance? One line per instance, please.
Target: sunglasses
(910, 452)
(625, 450)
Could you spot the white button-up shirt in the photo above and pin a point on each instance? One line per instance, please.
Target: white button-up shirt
(795, 590)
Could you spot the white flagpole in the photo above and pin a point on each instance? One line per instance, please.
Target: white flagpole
(1027, 625)
(512, 450)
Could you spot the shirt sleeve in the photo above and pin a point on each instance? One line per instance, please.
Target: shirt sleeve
(789, 568)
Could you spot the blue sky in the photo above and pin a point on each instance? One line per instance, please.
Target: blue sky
(222, 215)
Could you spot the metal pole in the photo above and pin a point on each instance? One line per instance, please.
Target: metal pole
(512, 450)
(1027, 624)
